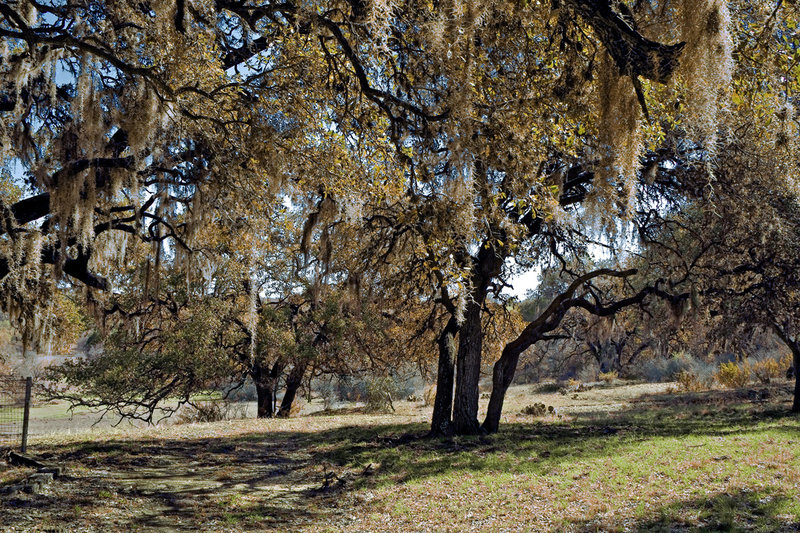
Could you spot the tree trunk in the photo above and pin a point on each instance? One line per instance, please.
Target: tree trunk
(795, 346)
(468, 371)
(502, 375)
(264, 394)
(443, 404)
(293, 382)
(266, 381)
(264, 390)
(485, 267)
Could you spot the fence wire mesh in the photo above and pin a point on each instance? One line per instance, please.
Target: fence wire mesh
(12, 411)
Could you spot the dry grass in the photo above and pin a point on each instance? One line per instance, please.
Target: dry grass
(619, 458)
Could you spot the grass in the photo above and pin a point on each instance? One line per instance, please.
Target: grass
(626, 458)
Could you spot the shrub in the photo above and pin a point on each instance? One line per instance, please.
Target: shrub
(240, 392)
(211, 411)
(589, 372)
(538, 409)
(732, 375)
(661, 370)
(766, 370)
(787, 364)
(689, 382)
(351, 390)
(357, 389)
(379, 395)
(548, 387)
(429, 396)
(608, 377)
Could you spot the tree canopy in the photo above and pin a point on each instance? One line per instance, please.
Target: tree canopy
(418, 150)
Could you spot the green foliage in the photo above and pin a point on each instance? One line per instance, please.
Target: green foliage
(169, 357)
(68, 321)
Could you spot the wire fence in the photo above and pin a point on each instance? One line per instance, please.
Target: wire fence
(15, 399)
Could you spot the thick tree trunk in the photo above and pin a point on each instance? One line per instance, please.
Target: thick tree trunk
(266, 381)
(264, 400)
(264, 390)
(795, 346)
(468, 371)
(293, 382)
(485, 267)
(443, 404)
(502, 375)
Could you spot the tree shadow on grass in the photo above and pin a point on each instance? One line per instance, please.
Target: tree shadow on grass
(541, 446)
(741, 511)
(283, 480)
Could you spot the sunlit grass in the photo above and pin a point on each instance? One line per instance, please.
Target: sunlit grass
(626, 458)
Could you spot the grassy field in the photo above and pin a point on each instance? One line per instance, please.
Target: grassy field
(625, 458)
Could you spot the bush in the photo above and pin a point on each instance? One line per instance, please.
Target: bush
(787, 364)
(351, 390)
(538, 409)
(608, 377)
(548, 387)
(326, 390)
(663, 370)
(244, 392)
(379, 395)
(574, 384)
(356, 389)
(733, 376)
(211, 411)
(767, 370)
(689, 382)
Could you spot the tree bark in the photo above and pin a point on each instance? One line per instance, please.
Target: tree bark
(264, 390)
(266, 381)
(502, 376)
(547, 321)
(468, 371)
(796, 364)
(794, 345)
(634, 54)
(485, 267)
(443, 404)
(265, 395)
(293, 382)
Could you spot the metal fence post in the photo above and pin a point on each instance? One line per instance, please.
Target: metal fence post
(27, 414)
